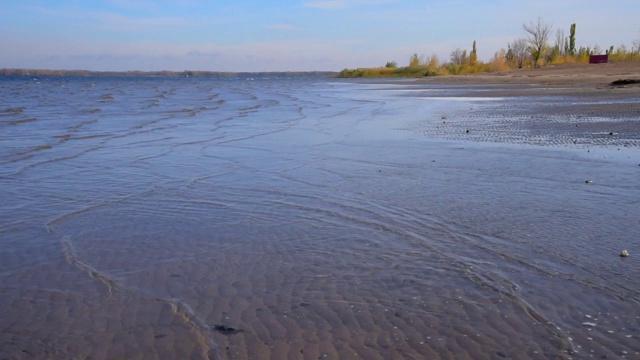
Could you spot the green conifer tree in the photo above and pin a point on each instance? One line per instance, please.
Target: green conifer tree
(572, 40)
(473, 57)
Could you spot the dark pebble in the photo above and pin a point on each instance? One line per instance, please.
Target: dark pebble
(226, 330)
(501, 354)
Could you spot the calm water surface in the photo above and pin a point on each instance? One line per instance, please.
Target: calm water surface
(300, 219)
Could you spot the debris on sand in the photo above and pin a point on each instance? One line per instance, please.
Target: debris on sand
(622, 82)
(226, 330)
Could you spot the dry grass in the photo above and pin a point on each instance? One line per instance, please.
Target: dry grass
(498, 63)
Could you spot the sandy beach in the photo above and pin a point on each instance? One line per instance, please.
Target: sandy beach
(561, 105)
(582, 76)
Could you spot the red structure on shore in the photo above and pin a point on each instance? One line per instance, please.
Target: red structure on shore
(598, 59)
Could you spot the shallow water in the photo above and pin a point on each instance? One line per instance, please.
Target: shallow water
(291, 218)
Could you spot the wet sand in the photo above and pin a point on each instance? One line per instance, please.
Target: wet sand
(557, 105)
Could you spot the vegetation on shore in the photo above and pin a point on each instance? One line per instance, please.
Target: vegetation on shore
(532, 50)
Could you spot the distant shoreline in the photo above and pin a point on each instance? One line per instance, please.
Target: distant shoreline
(164, 73)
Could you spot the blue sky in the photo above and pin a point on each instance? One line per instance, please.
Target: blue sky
(251, 35)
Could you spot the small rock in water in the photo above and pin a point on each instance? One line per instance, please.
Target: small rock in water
(624, 253)
(226, 330)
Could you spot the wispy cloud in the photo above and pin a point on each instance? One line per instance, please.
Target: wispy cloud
(343, 4)
(117, 21)
(279, 26)
(330, 4)
(110, 19)
(133, 4)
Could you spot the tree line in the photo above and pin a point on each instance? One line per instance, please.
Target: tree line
(533, 49)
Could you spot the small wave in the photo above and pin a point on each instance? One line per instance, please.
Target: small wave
(249, 109)
(24, 155)
(92, 136)
(107, 98)
(81, 124)
(12, 111)
(53, 160)
(41, 147)
(72, 258)
(22, 121)
(11, 225)
(148, 157)
(199, 327)
(51, 224)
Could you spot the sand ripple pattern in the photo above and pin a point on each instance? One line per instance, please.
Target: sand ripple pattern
(311, 219)
(580, 123)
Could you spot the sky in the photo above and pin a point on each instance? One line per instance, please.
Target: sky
(278, 35)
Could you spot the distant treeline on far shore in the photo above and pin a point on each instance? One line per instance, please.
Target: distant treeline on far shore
(164, 73)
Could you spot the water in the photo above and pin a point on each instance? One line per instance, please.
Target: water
(309, 218)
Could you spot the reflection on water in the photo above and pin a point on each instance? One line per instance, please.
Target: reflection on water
(202, 218)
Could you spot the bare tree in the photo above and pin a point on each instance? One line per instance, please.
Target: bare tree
(519, 50)
(560, 40)
(458, 56)
(597, 50)
(538, 35)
